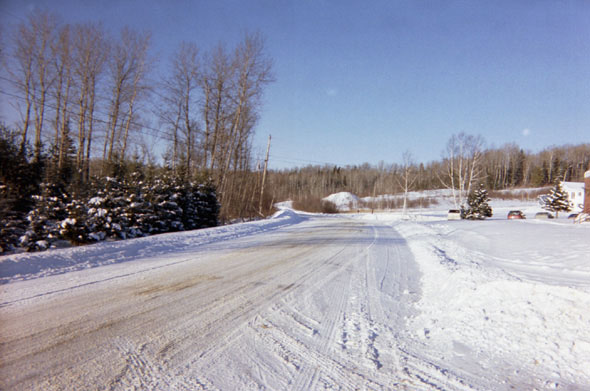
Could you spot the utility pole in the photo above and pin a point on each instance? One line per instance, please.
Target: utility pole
(264, 176)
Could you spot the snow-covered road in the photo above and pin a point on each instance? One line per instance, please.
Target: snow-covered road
(319, 303)
(297, 302)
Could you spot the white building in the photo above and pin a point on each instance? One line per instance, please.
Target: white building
(575, 195)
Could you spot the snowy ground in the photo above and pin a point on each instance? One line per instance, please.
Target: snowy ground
(362, 301)
(506, 300)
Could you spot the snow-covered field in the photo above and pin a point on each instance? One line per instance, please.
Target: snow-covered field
(506, 300)
(300, 301)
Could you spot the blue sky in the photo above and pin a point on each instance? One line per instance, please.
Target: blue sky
(363, 81)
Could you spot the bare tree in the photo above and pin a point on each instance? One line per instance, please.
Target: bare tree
(215, 85)
(462, 165)
(169, 112)
(62, 87)
(90, 51)
(22, 73)
(253, 71)
(32, 72)
(44, 27)
(408, 176)
(180, 99)
(127, 65)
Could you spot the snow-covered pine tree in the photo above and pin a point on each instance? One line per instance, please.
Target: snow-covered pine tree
(73, 227)
(208, 205)
(147, 219)
(106, 218)
(477, 205)
(45, 217)
(189, 204)
(19, 181)
(164, 197)
(556, 201)
(13, 223)
(137, 212)
(171, 206)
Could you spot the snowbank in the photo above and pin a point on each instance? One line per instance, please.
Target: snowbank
(284, 205)
(344, 201)
(502, 296)
(25, 266)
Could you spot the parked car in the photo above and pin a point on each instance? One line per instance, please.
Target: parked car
(454, 214)
(516, 214)
(573, 216)
(543, 215)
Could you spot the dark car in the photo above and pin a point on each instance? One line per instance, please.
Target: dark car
(516, 214)
(573, 216)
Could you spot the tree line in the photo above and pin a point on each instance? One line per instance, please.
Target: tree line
(465, 164)
(93, 101)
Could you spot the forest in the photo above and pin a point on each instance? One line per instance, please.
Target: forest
(506, 167)
(107, 147)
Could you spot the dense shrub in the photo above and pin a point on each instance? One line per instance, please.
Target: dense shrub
(38, 208)
(315, 205)
(518, 194)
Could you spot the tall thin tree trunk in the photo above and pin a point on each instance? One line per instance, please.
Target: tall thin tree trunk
(64, 126)
(90, 131)
(128, 124)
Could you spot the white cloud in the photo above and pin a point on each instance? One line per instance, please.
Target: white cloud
(526, 132)
(332, 92)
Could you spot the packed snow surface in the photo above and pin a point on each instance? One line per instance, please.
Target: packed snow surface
(307, 302)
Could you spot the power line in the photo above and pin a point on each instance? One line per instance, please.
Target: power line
(297, 160)
(163, 135)
(149, 131)
(157, 133)
(100, 96)
(141, 126)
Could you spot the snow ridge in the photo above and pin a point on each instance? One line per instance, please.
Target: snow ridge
(26, 266)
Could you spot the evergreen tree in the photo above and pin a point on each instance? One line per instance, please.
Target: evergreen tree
(106, 213)
(188, 202)
(45, 217)
(12, 222)
(557, 201)
(518, 173)
(73, 227)
(477, 205)
(200, 208)
(555, 171)
(19, 181)
(164, 196)
(138, 211)
(208, 206)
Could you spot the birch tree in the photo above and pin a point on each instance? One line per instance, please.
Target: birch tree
(180, 100)
(90, 51)
(408, 176)
(62, 88)
(21, 71)
(253, 71)
(462, 164)
(127, 66)
(215, 85)
(44, 28)
(31, 72)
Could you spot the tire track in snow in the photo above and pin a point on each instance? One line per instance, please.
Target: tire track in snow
(331, 357)
(307, 308)
(141, 373)
(236, 312)
(327, 332)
